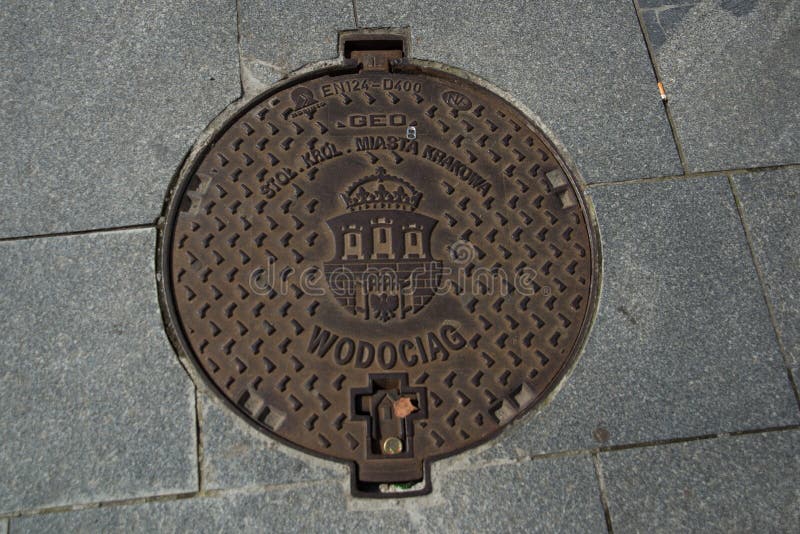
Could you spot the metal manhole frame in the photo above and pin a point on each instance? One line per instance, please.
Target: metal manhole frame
(218, 126)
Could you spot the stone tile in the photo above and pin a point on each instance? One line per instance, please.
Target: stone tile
(730, 69)
(553, 495)
(101, 101)
(771, 206)
(258, 76)
(682, 345)
(582, 67)
(285, 36)
(312, 508)
(795, 370)
(236, 455)
(662, 17)
(738, 484)
(556, 495)
(94, 405)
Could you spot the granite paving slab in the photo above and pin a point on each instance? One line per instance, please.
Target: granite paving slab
(771, 208)
(279, 37)
(683, 345)
(237, 455)
(101, 102)
(549, 495)
(582, 67)
(733, 484)
(555, 495)
(94, 405)
(730, 69)
(795, 370)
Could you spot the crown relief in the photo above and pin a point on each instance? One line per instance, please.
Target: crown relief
(381, 190)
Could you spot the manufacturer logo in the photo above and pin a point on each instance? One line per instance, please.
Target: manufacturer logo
(456, 100)
(304, 102)
(383, 268)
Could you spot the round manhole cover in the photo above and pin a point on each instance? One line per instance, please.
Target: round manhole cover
(381, 263)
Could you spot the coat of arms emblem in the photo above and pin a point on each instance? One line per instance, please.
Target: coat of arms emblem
(383, 268)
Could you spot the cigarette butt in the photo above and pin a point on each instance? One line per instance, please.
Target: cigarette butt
(662, 92)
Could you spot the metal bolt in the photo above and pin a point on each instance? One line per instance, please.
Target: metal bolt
(392, 446)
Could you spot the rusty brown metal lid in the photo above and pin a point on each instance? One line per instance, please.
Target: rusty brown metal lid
(381, 263)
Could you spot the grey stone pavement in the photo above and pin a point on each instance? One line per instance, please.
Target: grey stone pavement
(683, 413)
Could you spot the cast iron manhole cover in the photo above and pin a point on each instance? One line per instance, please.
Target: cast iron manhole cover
(380, 263)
